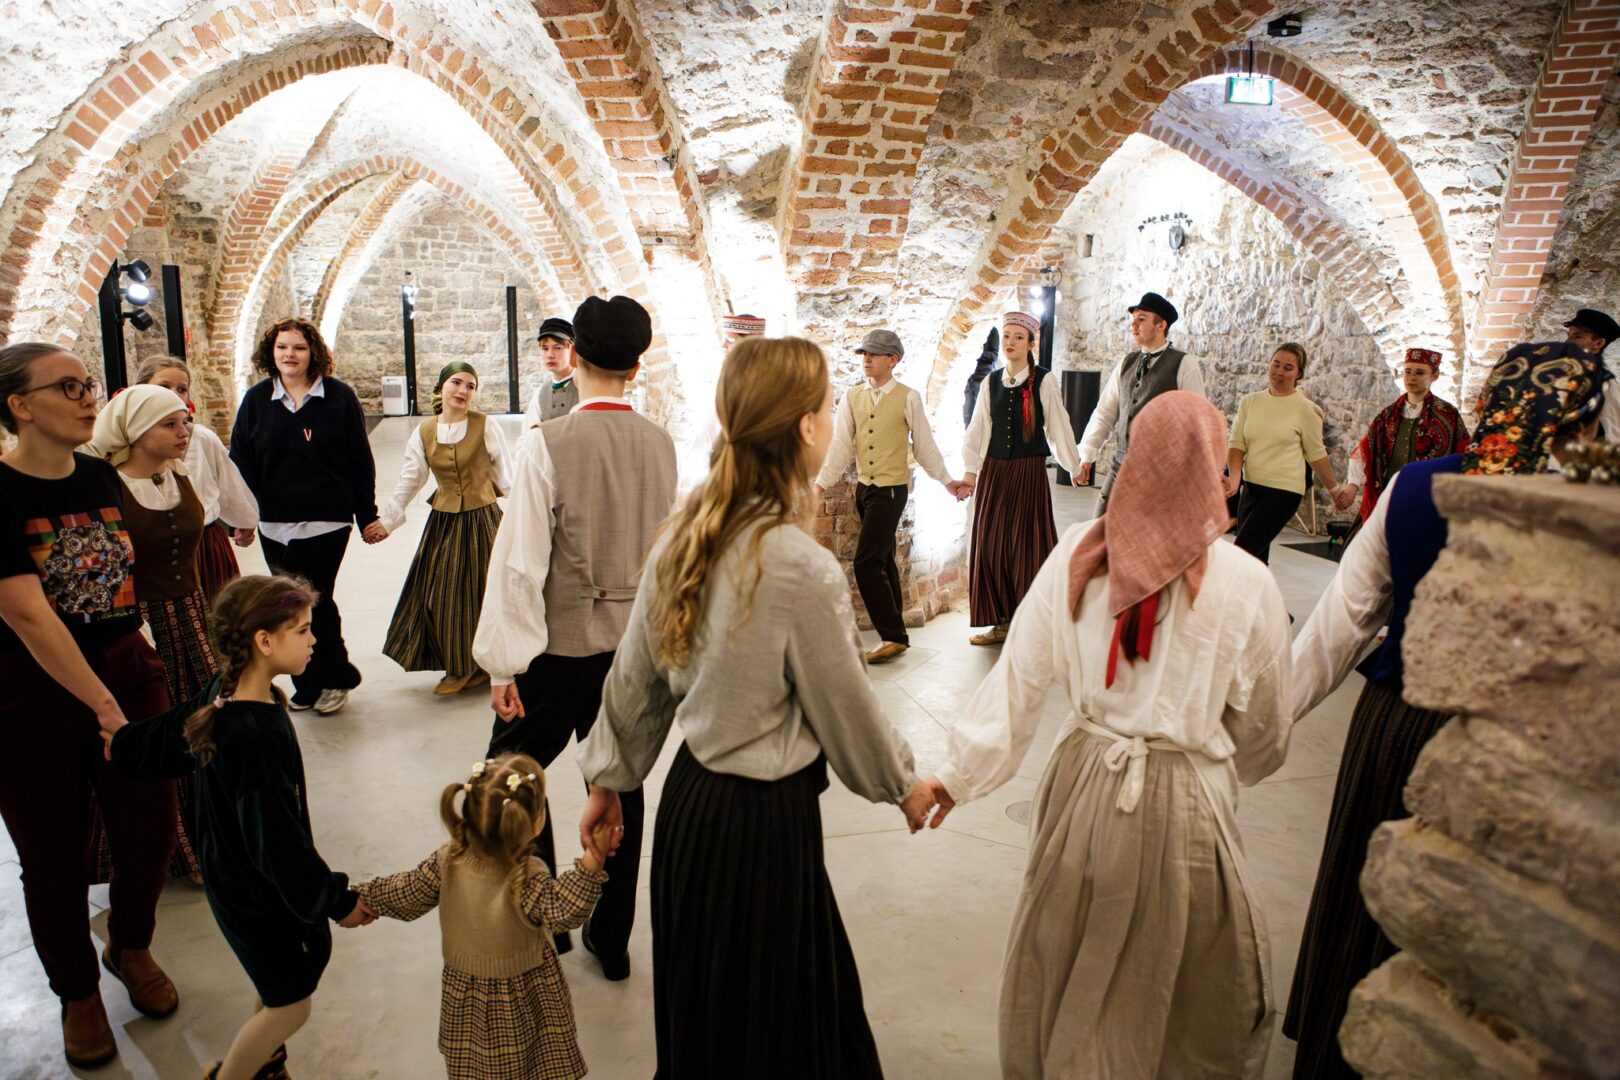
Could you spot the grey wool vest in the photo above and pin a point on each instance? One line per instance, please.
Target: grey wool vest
(615, 477)
(1140, 383)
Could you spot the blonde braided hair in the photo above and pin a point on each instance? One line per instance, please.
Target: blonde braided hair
(242, 609)
(501, 807)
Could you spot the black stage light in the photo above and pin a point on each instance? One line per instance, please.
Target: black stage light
(1286, 26)
(138, 270)
(138, 293)
(140, 320)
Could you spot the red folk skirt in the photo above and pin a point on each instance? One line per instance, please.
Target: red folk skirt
(216, 561)
(1013, 533)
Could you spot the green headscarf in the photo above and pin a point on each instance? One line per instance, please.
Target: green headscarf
(454, 367)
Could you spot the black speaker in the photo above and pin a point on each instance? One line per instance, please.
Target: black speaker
(1081, 391)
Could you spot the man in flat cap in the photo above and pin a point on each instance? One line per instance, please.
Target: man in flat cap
(553, 398)
(1150, 369)
(881, 424)
(1416, 426)
(561, 584)
(1592, 331)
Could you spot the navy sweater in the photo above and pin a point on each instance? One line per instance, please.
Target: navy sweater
(311, 465)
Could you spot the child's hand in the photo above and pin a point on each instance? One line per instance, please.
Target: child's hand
(360, 916)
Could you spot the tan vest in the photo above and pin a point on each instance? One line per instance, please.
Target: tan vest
(479, 926)
(882, 436)
(615, 483)
(465, 475)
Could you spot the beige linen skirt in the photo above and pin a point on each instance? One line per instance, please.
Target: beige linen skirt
(1133, 951)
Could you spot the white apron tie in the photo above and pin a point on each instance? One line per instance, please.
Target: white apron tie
(1128, 752)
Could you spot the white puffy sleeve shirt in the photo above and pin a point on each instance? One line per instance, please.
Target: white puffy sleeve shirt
(415, 473)
(1059, 432)
(512, 624)
(217, 482)
(1216, 683)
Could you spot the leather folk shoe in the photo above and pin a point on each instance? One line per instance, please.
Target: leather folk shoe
(150, 991)
(886, 652)
(993, 636)
(87, 1038)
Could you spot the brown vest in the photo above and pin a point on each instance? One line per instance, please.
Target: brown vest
(165, 543)
(465, 475)
(615, 483)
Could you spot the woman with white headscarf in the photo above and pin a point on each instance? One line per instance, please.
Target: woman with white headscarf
(1136, 948)
(145, 432)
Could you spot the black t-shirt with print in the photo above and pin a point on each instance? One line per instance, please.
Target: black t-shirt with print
(70, 534)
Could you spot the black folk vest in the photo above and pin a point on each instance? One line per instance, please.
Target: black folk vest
(1140, 383)
(1007, 416)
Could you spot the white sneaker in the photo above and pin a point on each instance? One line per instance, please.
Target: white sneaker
(331, 701)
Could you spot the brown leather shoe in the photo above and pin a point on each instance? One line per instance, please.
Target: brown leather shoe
(886, 652)
(993, 636)
(150, 991)
(87, 1038)
(451, 684)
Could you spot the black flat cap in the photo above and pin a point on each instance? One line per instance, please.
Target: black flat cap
(561, 329)
(1152, 301)
(1596, 322)
(612, 334)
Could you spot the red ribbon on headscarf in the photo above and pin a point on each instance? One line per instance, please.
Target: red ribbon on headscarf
(1147, 617)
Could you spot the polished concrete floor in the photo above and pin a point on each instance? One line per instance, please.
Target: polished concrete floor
(927, 914)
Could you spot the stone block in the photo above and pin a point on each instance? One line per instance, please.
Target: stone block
(1513, 945)
(1500, 631)
(1404, 1023)
(1485, 786)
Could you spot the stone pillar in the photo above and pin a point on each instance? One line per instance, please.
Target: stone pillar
(1504, 889)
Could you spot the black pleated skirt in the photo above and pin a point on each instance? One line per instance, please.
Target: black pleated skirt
(437, 614)
(1342, 942)
(753, 975)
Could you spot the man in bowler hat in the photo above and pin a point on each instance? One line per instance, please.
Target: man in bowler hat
(1592, 331)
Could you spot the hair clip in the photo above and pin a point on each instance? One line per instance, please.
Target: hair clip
(221, 702)
(516, 779)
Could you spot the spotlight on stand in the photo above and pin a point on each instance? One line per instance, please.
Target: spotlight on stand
(138, 293)
(408, 292)
(110, 306)
(140, 320)
(138, 270)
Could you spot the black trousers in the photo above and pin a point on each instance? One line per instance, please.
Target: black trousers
(1262, 513)
(561, 696)
(877, 574)
(316, 560)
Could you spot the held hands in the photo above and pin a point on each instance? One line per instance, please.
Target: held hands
(243, 537)
(109, 717)
(1083, 477)
(374, 533)
(1229, 484)
(505, 701)
(961, 489)
(943, 803)
(360, 916)
(917, 804)
(601, 826)
(1344, 496)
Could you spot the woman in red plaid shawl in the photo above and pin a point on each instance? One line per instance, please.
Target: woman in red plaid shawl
(1416, 427)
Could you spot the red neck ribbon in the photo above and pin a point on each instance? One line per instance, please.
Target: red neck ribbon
(605, 406)
(1147, 615)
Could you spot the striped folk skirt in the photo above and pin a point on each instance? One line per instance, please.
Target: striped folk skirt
(1342, 943)
(1013, 533)
(752, 970)
(1133, 950)
(180, 636)
(438, 609)
(216, 561)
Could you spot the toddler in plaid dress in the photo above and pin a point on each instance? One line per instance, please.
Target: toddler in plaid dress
(504, 1010)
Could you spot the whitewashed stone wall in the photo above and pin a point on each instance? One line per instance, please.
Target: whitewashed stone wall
(460, 312)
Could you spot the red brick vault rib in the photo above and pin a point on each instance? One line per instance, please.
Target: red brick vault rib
(330, 296)
(1579, 62)
(879, 77)
(66, 225)
(1065, 161)
(1410, 216)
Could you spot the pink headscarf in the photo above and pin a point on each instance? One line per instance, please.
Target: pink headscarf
(1166, 508)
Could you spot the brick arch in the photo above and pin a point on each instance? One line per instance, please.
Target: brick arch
(1563, 106)
(46, 210)
(1065, 161)
(1361, 277)
(231, 344)
(1411, 217)
(337, 276)
(880, 73)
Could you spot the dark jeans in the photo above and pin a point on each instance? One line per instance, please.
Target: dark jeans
(1262, 513)
(561, 696)
(316, 560)
(877, 574)
(52, 763)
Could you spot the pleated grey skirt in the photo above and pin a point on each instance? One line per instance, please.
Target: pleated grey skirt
(437, 614)
(1132, 951)
(753, 975)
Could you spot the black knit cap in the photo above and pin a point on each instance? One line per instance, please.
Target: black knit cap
(611, 334)
(1152, 301)
(561, 329)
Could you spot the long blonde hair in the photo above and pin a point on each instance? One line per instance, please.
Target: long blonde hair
(757, 475)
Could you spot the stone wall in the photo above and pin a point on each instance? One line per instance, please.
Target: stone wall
(460, 311)
(1504, 889)
(1241, 283)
